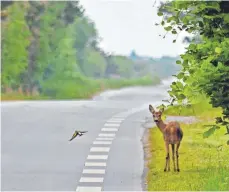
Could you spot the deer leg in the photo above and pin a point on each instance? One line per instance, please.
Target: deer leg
(167, 156)
(173, 154)
(169, 163)
(177, 154)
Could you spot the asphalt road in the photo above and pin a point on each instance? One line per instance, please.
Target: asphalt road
(37, 156)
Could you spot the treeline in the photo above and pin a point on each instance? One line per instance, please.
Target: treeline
(162, 67)
(51, 49)
(205, 64)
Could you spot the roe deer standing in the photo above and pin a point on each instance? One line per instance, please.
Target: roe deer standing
(173, 135)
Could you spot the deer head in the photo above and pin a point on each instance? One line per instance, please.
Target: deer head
(156, 114)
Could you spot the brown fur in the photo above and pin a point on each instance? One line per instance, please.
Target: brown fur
(173, 135)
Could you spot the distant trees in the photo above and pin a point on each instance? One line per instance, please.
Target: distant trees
(47, 45)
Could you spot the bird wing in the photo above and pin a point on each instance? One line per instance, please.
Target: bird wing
(83, 131)
(74, 135)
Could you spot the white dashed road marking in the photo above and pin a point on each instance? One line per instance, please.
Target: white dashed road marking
(89, 189)
(91, 179)
(109, 129)
(100, 149)
(112, 125)
(97, 156)
(94, 171)
(104, 139)
(95, 164)
(114, 121)
(102, 142)
(106, 135)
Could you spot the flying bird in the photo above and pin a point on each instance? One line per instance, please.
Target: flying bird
(77, 133)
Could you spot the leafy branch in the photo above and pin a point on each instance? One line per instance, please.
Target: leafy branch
(205, 64)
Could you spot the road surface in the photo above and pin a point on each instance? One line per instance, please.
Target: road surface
(37, 156)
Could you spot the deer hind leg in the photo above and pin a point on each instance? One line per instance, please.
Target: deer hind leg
(167, 157)
(177, 155)
(173, 156)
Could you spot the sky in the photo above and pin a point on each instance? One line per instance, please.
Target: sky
(126, 25)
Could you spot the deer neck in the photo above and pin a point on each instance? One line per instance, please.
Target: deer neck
(161, 125)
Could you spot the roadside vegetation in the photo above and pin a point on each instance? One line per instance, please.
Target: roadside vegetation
(84, 90)
(201, 90)
(50, 50)
(203, 161)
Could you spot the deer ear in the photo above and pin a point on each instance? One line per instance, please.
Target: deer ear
(162, 110)
(151, 109)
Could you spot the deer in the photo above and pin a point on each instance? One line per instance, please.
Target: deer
(172, 134)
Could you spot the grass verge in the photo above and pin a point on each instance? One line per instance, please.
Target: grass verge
(203, 162)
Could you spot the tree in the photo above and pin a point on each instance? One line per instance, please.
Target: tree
(33, 15)
(56, 56)
(85, 34)
(205, 65)
(95, 64)
(14, 50)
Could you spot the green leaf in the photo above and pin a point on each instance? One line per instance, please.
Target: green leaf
(185, 63)
(170, 93)
(185, 78)
(179, 85)
(192, 46)
(162, 23)
(226, 18)
(159, 13)
(181, 96)
(218, 50)
(209, 132)
(178, 62)
(174, 41)
(191, 71)
(174, 32)
(171, 18)
(180, 75)
(169, 28)
(228, 142)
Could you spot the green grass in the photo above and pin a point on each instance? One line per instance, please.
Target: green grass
(201, 110)
(204, 165)
(83, 88)
(18, 97)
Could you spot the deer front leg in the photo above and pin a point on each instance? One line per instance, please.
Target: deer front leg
(173, 154)
(177, 154)
(167, 157)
